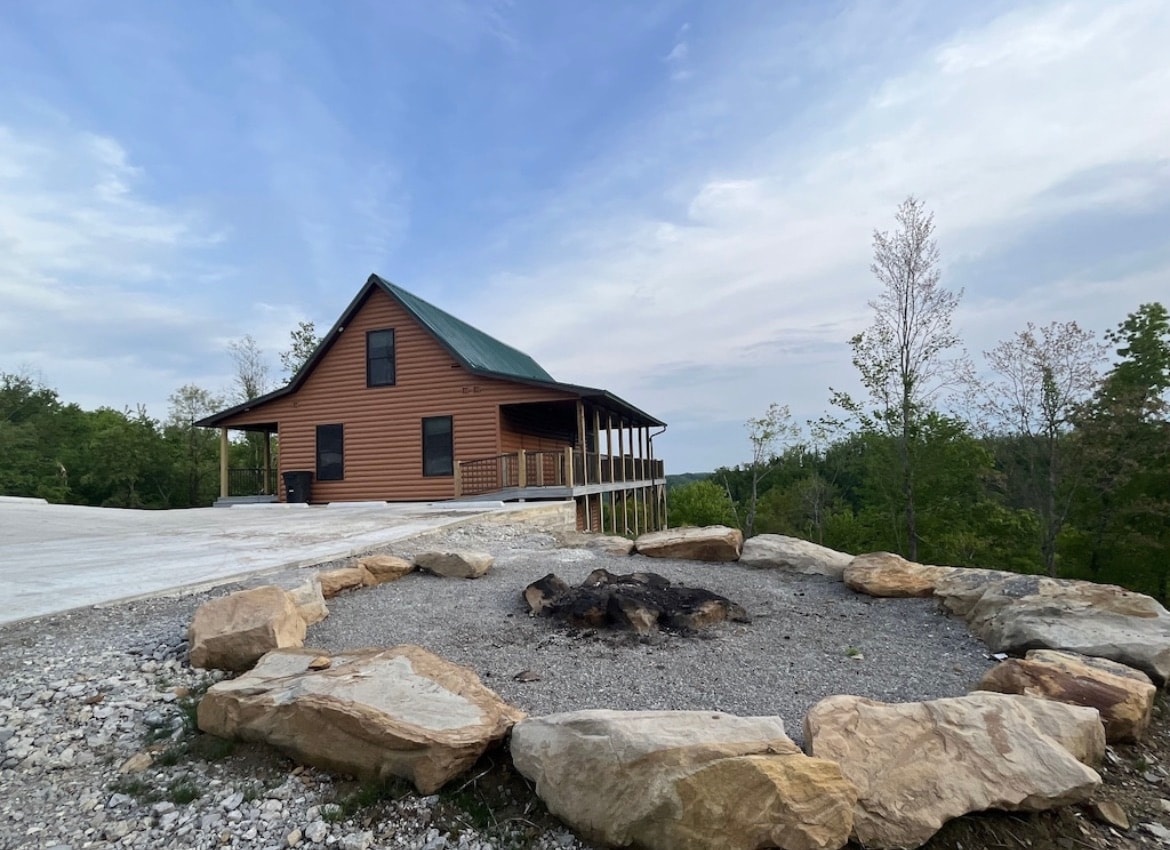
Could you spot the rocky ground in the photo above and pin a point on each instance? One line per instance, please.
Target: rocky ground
(98, 746)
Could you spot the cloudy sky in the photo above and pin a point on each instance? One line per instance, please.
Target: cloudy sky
(673, 200)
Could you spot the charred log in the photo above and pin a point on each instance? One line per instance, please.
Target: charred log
(641, 602)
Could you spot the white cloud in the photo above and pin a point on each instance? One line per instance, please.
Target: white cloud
(991, 127)
(92, 274)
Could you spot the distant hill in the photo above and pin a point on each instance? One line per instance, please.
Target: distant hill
(682, 478)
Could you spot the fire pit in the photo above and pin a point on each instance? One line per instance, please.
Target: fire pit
(642, 602)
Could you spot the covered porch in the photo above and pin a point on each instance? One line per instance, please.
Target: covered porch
(597, 451)
(256, 482)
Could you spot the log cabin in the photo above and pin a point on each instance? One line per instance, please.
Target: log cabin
(403, 402)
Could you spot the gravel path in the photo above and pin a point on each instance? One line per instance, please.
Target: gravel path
(80, 693)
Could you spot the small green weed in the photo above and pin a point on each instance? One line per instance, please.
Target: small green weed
(136, 787)
(183, 790)
(852, 652)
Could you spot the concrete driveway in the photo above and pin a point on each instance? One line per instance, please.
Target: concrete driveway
(55, 558)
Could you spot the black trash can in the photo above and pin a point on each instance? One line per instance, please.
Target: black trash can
(298, 486)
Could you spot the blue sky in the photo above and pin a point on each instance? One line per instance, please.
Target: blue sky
(672, 200)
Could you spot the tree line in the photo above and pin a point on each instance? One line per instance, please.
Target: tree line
(1054, 458)
(126, 458)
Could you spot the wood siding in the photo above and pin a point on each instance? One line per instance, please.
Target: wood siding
(383, 425)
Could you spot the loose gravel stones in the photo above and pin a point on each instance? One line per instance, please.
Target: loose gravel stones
(97, 748)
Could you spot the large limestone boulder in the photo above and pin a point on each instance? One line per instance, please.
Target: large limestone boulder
(337, 581)
(605, 543)
(710, 543)
(232, 632)
(918, 765)
(380, 569)
(683, 780)
(455, 564)
(309, 598)
(887, 574)
(372, 713)
(1014, 613)
(776, 551)
(1124, 696)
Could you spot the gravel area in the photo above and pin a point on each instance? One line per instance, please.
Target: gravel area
(83, 692)
(810, 637)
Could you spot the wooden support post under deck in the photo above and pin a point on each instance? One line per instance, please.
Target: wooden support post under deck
(223, 463)
(612, 474)
(458, 479)
(267, 462)
(642, 489)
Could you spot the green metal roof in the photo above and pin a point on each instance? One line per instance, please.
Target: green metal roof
(478, 351)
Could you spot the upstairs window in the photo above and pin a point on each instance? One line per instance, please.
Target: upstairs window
(438, 446)
(380, 358)
(330, 452)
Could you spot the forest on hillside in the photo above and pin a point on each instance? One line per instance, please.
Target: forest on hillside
(1053, 458)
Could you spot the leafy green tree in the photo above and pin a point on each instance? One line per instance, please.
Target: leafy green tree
(700, 503)
(1042, 377)
(909, 355)
(767, 434)
(31, 439)
(1125, 516)
(303, 341)
(193, 452)
(125, 461)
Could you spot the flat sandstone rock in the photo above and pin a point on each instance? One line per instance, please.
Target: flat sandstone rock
(918, 765)
(683, 780)
(234, 631)
(716, 543)
(372, 713)
(455, 564)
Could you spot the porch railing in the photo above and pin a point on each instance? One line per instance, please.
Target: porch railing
(250, 481)
(565, 468)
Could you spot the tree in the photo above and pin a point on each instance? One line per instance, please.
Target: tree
(1126, 513)
(251, 379)
(903, 357)
(194, 450)
(700, 503)
(303, 341)
(1043, 376)
(766, 434)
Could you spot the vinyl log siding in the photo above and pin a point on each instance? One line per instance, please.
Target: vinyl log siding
(383, 425)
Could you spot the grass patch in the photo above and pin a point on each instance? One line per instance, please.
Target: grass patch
(136, 787)
(183, 790)
(364, 796)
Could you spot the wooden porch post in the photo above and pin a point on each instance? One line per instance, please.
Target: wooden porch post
(597, 465)
(267, 462)
(622, 460)
(642, 489)
(522, 469)
(223, 463)
(612, 474)
(584, 456)
(458, 479)
(569, 467)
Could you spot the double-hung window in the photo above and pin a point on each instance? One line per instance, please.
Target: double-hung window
(330, 452)
(380, 358)
(438, 446)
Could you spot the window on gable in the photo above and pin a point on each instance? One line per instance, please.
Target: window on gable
(330, 452)
(438, 446)
(380, 358)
